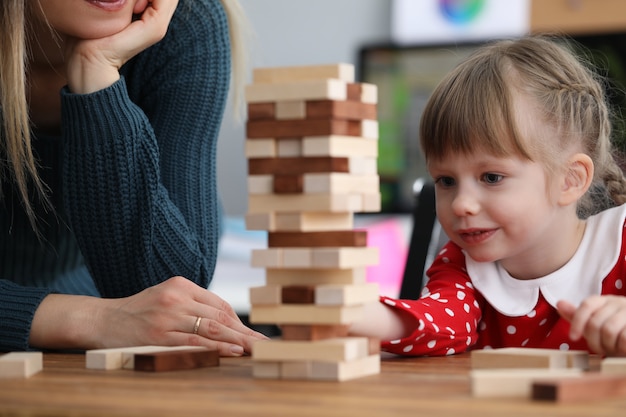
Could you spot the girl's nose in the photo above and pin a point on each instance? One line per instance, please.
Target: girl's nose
(465, 203)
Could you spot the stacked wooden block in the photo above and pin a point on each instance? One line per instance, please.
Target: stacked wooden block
(312, 145)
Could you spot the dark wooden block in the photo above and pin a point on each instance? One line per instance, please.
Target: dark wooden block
(338, 238)
(589, 386)
(301, 127)
(176, 360)
(298, 295)
(296, 166)
(351, 110)
(313, 331)
(261, 111)
(288, 184)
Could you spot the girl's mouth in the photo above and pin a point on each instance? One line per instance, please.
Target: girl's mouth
(474, 236)
(109, 5)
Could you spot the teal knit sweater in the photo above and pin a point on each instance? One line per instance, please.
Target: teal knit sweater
(132, 179)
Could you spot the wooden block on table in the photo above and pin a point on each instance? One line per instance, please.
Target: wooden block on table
(116, 358)
(341, 71)
(492, 383)
(340, 183)
(261, 148)
(337, 238)
(364, 92)
(590, 386)
(288, 184)
(338, 146)
(346, 370)
(528, 358)
(304, 314)
(333, 294)
(291, 128)
(298, 294)
(613, 366)
(175, 360)
(20, 364)
(296, 166)
(275, 276)
(324, 89)
(313, 331)
(339, 349)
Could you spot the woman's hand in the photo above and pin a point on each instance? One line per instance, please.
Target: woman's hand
(164, 315)
(94, 64)
(601, 320)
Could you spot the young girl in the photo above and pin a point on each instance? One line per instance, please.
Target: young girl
(517, 140)
(110, 112)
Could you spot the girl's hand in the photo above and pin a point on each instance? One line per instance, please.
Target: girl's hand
(94, 64)
(601, 320)
(167, 313)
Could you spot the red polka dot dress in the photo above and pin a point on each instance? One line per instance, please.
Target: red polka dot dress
(473, 305)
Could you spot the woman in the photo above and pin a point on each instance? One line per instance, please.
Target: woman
(122, 102)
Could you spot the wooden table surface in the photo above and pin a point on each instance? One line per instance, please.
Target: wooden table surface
(406, 386)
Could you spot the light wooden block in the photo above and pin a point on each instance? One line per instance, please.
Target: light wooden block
(338, 146)
(305, 202)
(289, 148)
(20, 364)
(260, 221)
(591, 386)
(297, 258)
(299, 221)
(266, 258)
(371, 203)
(369, 129)
(528, 358)
(339, 349)
(346, 370)
(296, 370)
(304, 314)
(128, 356)
(115, 358)
(329, 294)
(260, 184)
(364, 92)
(261, 148)
(268, 294)
(340, 183)
(266, 370)
(293, 109)
(341, 71)
(315, 276)
(325, 89)
(492, 383)
(613, 366)
(344, 257)
(362, 166)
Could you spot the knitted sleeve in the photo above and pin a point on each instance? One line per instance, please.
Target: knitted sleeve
(139, 168)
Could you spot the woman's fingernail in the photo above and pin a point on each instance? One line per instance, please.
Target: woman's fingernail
(237, 350)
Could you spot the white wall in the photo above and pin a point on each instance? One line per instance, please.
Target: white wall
(296, 32)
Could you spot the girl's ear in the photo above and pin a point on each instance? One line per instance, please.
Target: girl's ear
(576, 179)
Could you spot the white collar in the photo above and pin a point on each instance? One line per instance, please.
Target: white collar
(576, 280)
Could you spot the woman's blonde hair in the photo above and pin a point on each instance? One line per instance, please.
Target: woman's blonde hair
(17, 163)
(473, 109)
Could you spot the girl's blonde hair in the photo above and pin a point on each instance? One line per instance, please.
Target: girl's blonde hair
(18, 163)
(472, 109)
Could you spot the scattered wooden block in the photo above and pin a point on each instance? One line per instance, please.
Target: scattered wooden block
(176, 360)
(113, 358)
(313, 331)
(337, 146)
(275, 276)
(341, 71)
(590, 386)
(296, 166)
(492, 383)
(20, 364)
(320, 89)
(304, 314)
(528, 358)
(613, 366)
(339, 349)
(354, 238)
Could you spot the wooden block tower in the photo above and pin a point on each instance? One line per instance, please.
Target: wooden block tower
(312, 144)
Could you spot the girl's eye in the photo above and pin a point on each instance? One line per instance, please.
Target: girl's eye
(491, 178)
(445, 181)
